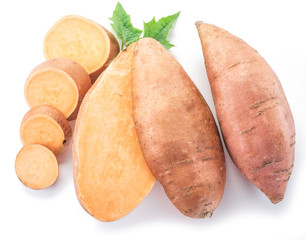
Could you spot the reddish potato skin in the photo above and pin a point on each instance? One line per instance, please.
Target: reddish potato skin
(252, 109)
(177, 131)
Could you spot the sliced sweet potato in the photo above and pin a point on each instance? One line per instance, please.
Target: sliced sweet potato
(83, 41)
(176, 130)
(60, 83)
(110, 174)
(46, 126)
(252, 109)
(36, 166)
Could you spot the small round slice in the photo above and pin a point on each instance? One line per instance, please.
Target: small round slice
(60, 83)
(81, 40)
(46, 126)
(36, 166)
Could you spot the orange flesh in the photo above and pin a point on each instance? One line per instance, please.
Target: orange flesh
(113, 177)
(41, 129)
(79, 39)
(36, 166)
(54, 88)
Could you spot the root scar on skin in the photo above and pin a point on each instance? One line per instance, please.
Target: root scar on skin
(246, 130)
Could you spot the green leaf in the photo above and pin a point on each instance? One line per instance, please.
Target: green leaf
(123, 27)
(159, 30)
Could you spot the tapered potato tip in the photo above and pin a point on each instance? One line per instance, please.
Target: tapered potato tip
(205, 29)
(60, 83)
(199, 23)
(36, 166)
(46, 126)
(275, 189)
(82, 40)
(276, 198)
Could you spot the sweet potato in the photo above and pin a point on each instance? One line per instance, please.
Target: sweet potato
(176, 130)
(83, 41)
(252, 110)
(60, 83)
(110, 174)
(46, 126)
(36, 166)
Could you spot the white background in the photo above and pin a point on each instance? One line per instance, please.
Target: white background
(275, 28)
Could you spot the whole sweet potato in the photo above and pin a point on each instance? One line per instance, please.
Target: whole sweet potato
(176, 130)
(252, 110)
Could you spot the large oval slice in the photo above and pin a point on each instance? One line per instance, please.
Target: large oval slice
(110, 173)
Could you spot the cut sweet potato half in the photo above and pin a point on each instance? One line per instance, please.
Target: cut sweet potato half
(110, 173)
(46, 126)
(83, 41)
(60, 83)
(36, 166)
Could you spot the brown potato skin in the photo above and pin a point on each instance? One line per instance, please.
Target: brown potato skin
(177, 131)
(252, 109)
(75, 71)
(54, 114)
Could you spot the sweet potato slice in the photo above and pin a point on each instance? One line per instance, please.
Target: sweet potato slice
(110, 174)
(254, 115)
(83, 41)
(46, 126)
(60, 83)
(177, 131)
(36, 166)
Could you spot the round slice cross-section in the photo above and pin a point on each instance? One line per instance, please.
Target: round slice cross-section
(60, 83)
(46, 126)
(36, 166)
(83, 41)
